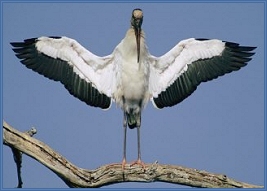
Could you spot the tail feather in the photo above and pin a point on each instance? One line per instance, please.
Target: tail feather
(133, 119)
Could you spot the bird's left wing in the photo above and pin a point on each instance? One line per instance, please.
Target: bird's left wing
(176, 75)
(86, 76)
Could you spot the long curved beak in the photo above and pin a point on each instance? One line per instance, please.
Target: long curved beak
(138, 36)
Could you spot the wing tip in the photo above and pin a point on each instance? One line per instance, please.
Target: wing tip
(25, 43)
(232, 45)
(30, 41)
(241, 48)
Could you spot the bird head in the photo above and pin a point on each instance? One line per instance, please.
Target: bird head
(136, 22)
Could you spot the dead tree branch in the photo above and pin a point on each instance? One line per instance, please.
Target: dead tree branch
(74, 176)
(17, 155)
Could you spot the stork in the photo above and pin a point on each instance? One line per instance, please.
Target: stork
(131, 76)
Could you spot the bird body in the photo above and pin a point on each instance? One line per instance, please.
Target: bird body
(131, 76)
(133, 91)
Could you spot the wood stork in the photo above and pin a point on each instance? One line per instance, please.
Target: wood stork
(131, 76)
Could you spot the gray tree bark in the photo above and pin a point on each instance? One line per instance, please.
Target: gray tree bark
(108, 174)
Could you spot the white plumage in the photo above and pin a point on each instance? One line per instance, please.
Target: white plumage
(131, 76)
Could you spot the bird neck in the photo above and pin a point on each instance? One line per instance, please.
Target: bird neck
(130, 46)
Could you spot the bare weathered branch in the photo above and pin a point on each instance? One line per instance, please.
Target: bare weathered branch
(74, 176)
(17, 155)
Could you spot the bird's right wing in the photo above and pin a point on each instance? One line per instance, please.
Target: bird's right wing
(86, 76)
(176, 75)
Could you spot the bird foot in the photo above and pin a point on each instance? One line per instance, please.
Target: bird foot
(138, 162)
(123, 164)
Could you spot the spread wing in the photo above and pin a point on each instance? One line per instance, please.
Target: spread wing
(176, 75)
(86, 76)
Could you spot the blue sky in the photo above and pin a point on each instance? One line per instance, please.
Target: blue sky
(219, 128)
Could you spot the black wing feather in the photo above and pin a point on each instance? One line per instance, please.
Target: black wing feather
(59, 70)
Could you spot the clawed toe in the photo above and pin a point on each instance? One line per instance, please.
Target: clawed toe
(138, 162)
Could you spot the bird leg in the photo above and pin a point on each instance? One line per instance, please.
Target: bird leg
(124, 140)
(124, 143)
(138, 161)
(138, 143)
